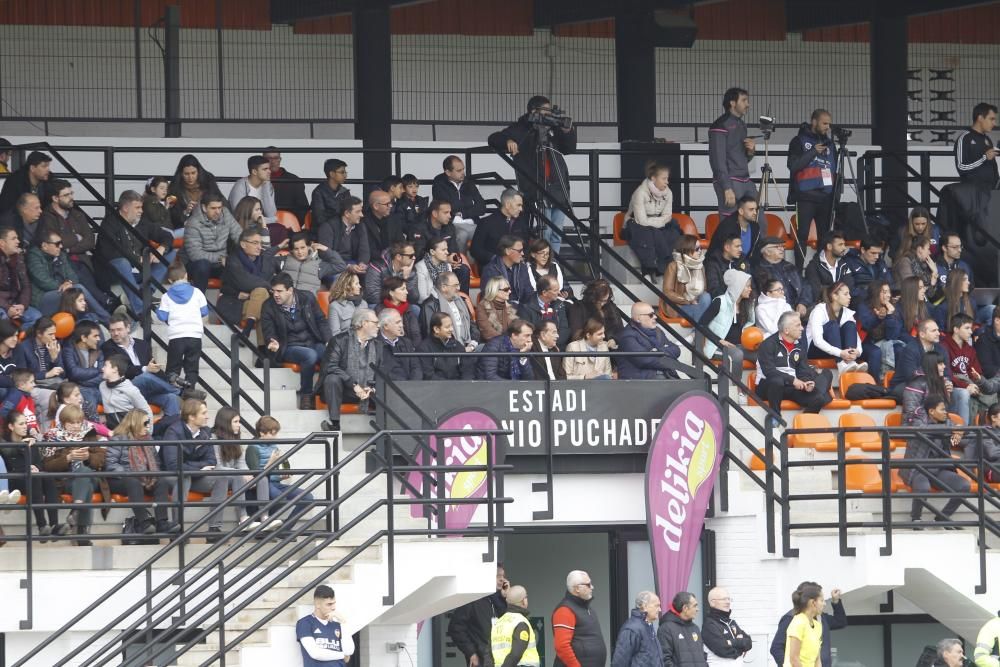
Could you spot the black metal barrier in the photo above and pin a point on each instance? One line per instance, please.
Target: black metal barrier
(318, 520)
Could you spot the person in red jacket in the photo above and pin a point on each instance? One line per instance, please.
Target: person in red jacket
(965, 369)
(576, 631)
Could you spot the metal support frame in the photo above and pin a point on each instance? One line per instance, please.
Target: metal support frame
(172, 71)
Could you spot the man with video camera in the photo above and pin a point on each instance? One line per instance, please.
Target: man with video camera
(812, 164)
(537, 143)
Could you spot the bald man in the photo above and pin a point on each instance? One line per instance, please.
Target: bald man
(512, 638)
(725, 641)
(382, 225)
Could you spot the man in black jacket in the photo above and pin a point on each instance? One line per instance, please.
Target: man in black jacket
(24, 218)
(742, 223)
(829, 266)
(143, 370)
(729, 255)
(295, 331)
(31, 177)
(975, 154)
(784, 373)
(722, 635)
(680, 638)
(470, 624)
(467, 203)
(812, 164)
(988, 347)
(772, 265)
(289, 189)
(383, 227)
(246, 279)
(537, 143)
(328, 198)
(547, 307)
(346, 237)
(516, 339)
(508, 221)
(834, 621)
(347, 365)
(440, 340)
(393, 339)
(445, 299)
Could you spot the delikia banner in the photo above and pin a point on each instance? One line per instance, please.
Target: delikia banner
(680, 474)
(467, 450)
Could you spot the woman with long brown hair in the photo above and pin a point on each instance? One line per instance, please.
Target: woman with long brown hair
(232, 456)
(957, 299)
(22, 453)
(684, 280)
(912, 305)
(832, 330)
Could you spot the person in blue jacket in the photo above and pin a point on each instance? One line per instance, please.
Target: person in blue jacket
(637, 645)
(881, 328)
(642, 335)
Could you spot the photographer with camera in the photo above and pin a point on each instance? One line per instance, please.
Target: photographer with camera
(537, 142)
(812, 165)
(730, 151)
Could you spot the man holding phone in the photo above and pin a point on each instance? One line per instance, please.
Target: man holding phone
(471, 624)
(812, 163)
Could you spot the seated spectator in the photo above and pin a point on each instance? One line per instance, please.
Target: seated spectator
(394, 186)
(729, 255)
(74, 302)
(22, 453)
(249, 214)
(295, 331)
(547, 307)
(134, 426)
(988, 347)
(441, 340)
(509, 265)
(684, 280)
(256, 184)
(743, 223)
(446, 299)
(347, 365)
(384, 228)
(918, 226)
(438, 260)
(435, 226)
(881, 328)
(588, 339)
(771, 305)
(833, 331)
(957, 300)
(643, 335)
(494, 312)
(118, 394)
(866, 265)
(123, 238)
(190, 186)
(208, 234)
(546, 339)
(233, 457)
(15, 286)
(597, 303)
(783, 372)
(329, 199)
(52, 274)
(934, 445)
(541, 263)
(143, 370)
(39, 353)
(395, 296)
(772, 265)
(965, 369)
(289, 189)
(728, 315)
(991, 448)
(63, 217)
(246, 280)
(830, 265)
(68, 393)
(20, 398)
(517, 338)
(183, 309)
(652, 230)
(950, 259)
(30, 178)
(467, 204)
(156, 204)
(912, 305)
(261, 455)
(345, 295)
(24, 219)
(398, 262)
(311, 264)
(909, 359)
(508, 221)
(66, 451)
(392, 336)
(917, 261)
(194, 454)
(928, 380)
(411, 206)
(83, 361)
(8, 341)
(343, 236)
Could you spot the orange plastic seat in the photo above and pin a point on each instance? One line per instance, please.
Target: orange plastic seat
(179, 243)
(468, 304)
(887, 378)
(776, 227)
(757, 463)
(474, 281)
(895, 419)
(752, 384)
(821, 442)
(867, 478)
(955, 419)
(675, 321)
(68, 498)
(829, 364)
(711, 224)
(295, 367)
(868, 441)
(747, 364)
(323, 299)
(618, 222)
(289, 220)
(308, 222)
(350, 409)
(854, 377)
(687, 226)
(214, 283)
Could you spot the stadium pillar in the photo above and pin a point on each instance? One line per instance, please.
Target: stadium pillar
(889, 79)
(373, 85)
(172, 71)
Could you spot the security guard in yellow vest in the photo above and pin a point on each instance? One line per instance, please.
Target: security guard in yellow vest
(513, 638)
(987, 641)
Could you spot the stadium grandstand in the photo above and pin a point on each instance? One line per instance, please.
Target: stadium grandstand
(332, 333)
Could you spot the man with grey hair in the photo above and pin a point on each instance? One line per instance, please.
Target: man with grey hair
(508, 221)
(637, 645)
(784, 373)
(950, 653)
(347, 365)
(445, 299)
(24, 218)
(393, 340)
(724, 639)
(576, 631)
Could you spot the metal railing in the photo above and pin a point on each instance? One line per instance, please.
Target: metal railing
(222, 593)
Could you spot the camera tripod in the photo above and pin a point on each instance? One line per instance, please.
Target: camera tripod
(767, 181)
(844, 159)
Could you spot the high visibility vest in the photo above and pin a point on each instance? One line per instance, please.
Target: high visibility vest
(501, 639)
(988, 637)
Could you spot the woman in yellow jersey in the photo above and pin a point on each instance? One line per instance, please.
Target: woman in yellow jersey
(805, 633)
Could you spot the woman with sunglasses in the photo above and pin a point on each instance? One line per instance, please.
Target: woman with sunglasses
(495, 312)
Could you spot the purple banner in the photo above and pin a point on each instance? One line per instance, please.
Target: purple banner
(459, 450)
(680, 474)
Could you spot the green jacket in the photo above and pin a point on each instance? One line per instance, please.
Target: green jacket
(47, 272)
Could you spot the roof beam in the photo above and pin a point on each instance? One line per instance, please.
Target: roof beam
(285, 12)
(803, 15)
